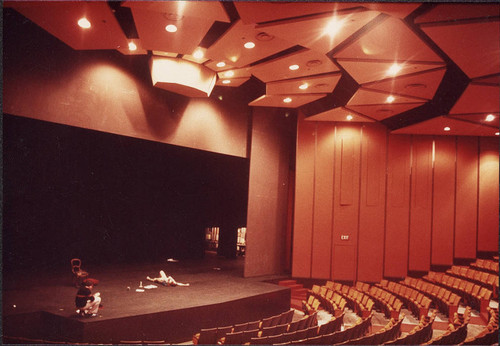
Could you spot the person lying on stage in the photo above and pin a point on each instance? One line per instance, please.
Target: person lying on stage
(166, 280)
(86, 302)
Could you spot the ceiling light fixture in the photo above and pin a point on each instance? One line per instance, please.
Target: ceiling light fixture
(447, 128)
(333, 27)
(249, 45)
(84, 23)
(293, 67)
(497, 133)
(198, 54)
(264, 36)
(349, 117)
(394, 69)
(304, 86)
(490, 117)
(221, 64)
(132, 46)
(171, 28)
(226, 81)
(287, 100)
(390, 99)
(229, 74)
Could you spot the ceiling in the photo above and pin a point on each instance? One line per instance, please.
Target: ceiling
(417, 68)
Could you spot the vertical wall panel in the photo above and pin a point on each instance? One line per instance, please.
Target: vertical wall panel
(419, 254)
(346, 198)
(304, 195)
(487, 233)
(323, 202)
(466, 201)
(372, 205)
(398, 206)
(443, 218)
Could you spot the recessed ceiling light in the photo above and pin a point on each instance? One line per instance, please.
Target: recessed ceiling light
(249, 45)
(394, 69)
(132, 46)
(264, 36)
(490, 117)
(333, 27)
(226, 81)
(287, 100)
(390, 99)
(171, 28)
(293, 67)
(229, 74)
(221, 64)
(198, 54)
(304, 86)
(349, 117)
(447, 128)
(497, 133)
(84, 23)
(314, 63)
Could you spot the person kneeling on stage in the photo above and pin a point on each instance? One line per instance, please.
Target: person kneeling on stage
(86, 302)
(166, 280)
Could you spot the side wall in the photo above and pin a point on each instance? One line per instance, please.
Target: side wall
(370, 205)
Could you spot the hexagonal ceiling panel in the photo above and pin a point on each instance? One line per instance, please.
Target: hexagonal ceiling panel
(384, 111)
(318, 84)
(285, 101)
(339, 114)
(478, 98)
(445, 126)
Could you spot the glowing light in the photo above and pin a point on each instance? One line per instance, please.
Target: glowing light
(287, 100)
(221, 64)
(233, 58)
(84, 23)
(304, 86)
(293, 67)
(394, 69)
(198, 54)
(171, 28)
(333, 27)
(490, 117)
(349, 117)
(390, 99)
(497, 133)
(229, 74)
(249, 45)
(132, 46)
(447, 128)
(226, 81)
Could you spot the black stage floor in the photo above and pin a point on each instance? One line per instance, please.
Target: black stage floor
(41, 305)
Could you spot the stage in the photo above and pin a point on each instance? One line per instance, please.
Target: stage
(43, 307)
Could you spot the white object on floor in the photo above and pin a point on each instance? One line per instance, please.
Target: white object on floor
(493, 304)
(148, 287)
(172, 260)
(139, 290)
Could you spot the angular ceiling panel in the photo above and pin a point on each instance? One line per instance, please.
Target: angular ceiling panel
(278, 100)
(371, 97)
(260, 12)
(339, 114)
(456, 11)
(151, 29)
(309, 63)
(390, 40)
(488, 119)
(305, 85)
(310, 31)
(399, 10)
(492, 80)
(473, 46)
(420, 85)
(212, 10)
(233, 82)
(230, 46)
(380, 112)
(60, 18)
(478, 98)
(436, 126)
(369, 71)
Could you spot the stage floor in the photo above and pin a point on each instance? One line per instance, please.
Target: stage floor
(215, 283)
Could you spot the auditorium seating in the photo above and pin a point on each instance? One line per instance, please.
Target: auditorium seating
(490, 334)
(386, 301)
(390, 332)
(418, 303)
(486, 265)
(419, 335)
(483, 278)
(456, 331)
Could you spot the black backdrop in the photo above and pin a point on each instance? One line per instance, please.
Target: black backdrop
(71, 192)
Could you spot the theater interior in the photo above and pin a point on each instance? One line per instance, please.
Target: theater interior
(337, 159)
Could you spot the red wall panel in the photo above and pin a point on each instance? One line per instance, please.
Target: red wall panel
(304, 196)
(419, 254)
(398, 206)
(443, 218)
(345, 257)
(346, 197)
(323, 202)
(466, 199)
(487, 233)
(372, 205)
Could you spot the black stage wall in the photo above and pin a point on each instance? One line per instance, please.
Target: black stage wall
(71, 192)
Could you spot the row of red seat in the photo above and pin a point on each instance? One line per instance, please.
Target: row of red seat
(489, 335)
(420, 334)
